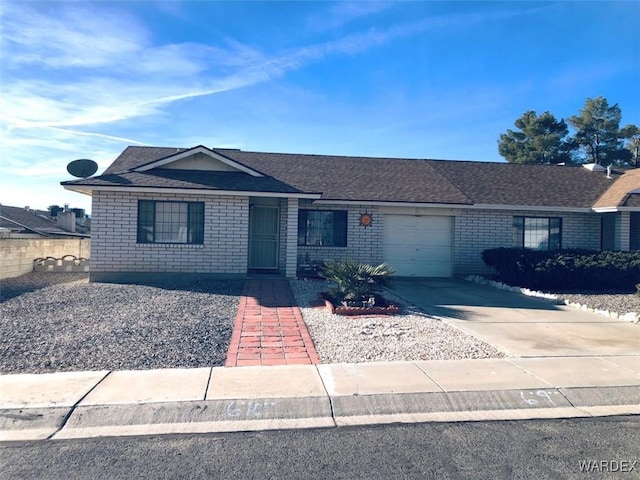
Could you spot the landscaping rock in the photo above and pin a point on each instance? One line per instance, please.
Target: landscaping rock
(412, 335)
(100, 326)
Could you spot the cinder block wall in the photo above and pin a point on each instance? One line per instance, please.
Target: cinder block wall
(363, 244)
(478, 230)
(115, 249)
(17, 254)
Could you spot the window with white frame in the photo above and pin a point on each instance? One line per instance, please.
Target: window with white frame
(170, 222)
(537, 233)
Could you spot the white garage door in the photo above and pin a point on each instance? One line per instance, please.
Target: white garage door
(418, 246)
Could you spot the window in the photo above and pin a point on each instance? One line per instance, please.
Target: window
(634, 231)
(326, 228)
(537, 233)
(170, 222)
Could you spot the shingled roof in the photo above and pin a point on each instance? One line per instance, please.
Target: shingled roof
(375, 179)
(621, 193)
(355, 178)
(22, 220)
(527, 185)
(133, 157)
(191, 179)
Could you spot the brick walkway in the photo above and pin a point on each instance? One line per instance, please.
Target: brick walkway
(269, 329)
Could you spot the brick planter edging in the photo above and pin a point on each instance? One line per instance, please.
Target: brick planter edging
(355, 311)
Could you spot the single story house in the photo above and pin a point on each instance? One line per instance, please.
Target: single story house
(19, 222)
(206, 211)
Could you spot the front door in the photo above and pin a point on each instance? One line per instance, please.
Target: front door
(263, 237)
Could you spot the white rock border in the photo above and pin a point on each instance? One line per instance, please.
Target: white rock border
(633, 317)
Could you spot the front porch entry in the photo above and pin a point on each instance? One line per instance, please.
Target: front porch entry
(264, 233)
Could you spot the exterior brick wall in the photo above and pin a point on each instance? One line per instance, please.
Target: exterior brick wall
(226, 236)
(363, 244)
(114, 233)
(478, 230)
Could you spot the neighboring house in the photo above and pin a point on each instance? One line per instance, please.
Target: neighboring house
(17, 222)
(230, 212)
(30, 240)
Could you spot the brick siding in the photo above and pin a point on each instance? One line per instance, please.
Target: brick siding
(478, 230)
(225, 248)
(114, 233)
(363, 244)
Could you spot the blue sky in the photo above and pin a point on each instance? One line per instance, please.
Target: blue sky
(81, 79)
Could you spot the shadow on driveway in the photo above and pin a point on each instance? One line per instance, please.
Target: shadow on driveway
(455, 298)
(518, 325)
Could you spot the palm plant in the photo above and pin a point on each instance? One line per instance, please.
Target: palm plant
(352, 281)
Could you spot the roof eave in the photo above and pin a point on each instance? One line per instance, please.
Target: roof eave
(615, 209)
(77, 188)
(390, 203)
(546, 208)
(87, 189)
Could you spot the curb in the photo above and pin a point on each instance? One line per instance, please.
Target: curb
(233, 415)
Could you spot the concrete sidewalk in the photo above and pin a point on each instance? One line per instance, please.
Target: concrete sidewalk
(90, 404)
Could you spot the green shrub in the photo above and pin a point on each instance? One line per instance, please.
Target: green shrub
(352, 281)
(566, 270)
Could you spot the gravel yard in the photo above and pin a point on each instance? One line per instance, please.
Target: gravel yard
(409, 336)
(619, 303)
(63, 323)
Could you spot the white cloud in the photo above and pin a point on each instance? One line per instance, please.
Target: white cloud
(341, 13)
(102, 97)
(69, 35)
(63, 109)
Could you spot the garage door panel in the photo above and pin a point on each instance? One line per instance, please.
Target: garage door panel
(418, 245)
(433, 269)
(428, 239)
(399, 253)
(425, 253)
(436, 252)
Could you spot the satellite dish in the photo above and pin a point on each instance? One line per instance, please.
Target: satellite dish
(82, 168)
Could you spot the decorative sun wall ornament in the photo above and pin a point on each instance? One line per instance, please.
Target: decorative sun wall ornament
(366, 219)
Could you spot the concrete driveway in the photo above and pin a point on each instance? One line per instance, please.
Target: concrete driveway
(518, 325)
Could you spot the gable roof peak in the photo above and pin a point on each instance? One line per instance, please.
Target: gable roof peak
(182, 154)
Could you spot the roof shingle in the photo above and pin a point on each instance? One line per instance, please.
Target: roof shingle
(355, 178)
(343, 178)
(617, 193)
(14, 218)
(191, 179)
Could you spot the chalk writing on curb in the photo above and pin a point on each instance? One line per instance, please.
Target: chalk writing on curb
(248, 409)
(534, 397)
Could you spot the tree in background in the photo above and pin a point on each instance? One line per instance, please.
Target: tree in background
(53, 210)
(540, 140)
(598, 133)
(632, 134)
